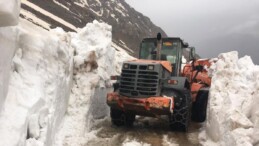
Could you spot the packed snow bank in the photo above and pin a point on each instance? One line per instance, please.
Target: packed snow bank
(233, 111)
(9, 12)
(94, 62)
(42, 66)
(8, 41)
(39, 86)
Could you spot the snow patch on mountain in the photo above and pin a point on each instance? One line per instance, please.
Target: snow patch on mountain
(36, 20)
(129, 25)
(46, 13)
(63, 6)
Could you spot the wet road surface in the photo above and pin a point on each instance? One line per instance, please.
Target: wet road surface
(152, 131)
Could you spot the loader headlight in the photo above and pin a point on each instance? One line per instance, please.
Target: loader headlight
(115, 77)
(150, 67)
(125, 66)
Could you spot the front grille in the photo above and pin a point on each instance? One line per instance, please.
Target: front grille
(137, 81)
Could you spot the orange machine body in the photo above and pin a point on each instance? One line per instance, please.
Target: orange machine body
(152, 106)
(198, 78)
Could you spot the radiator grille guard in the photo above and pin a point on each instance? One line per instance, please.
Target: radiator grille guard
(138, 81)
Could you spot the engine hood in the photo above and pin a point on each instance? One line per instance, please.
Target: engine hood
(166, 64)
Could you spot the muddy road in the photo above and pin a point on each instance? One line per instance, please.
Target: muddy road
(147, 131)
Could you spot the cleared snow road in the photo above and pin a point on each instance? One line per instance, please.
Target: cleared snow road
(149, 131)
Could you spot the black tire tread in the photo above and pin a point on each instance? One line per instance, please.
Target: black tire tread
(199, 109)
(180, 119)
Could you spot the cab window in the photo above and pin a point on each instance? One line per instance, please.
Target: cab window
(168, 51)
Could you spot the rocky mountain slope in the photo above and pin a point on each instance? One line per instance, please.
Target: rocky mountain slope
(128, 25)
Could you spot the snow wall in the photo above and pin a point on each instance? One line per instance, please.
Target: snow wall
(52, 75)
(8, 46)
(95, 61)
(233, 111)
(39, 86)
(9, 13)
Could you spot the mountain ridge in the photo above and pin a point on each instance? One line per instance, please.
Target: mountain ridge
(129, 26)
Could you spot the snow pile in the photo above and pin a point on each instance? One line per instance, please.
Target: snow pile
(39, 86)
(9, 12)
(38, 67)
(35, 78)
(233, 112)
(94, 63)
(43, 65)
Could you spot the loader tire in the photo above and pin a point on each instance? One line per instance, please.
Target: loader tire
(120, 118)
(180, 119)
(199, 108)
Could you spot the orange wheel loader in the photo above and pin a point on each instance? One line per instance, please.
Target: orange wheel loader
(158, 83)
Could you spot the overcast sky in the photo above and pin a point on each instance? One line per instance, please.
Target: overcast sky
(212, 26)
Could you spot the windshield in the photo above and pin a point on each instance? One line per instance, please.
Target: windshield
(168, 51)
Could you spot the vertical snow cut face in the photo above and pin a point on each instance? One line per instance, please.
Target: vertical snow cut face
(39, 86)
(8, 41)
(95, 60)
(233, 112)
(9, 13)
(42, 66)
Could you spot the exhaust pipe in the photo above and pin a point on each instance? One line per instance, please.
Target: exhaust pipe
(159, 46)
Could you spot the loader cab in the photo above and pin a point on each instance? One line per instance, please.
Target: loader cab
(171, 50)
